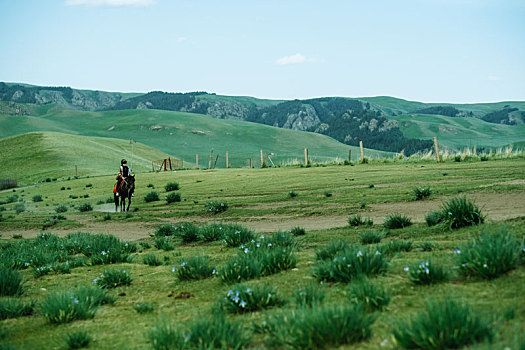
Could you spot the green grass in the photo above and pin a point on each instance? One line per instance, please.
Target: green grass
(57, 154)
(261, 195)
(459, 133)
(185, 135)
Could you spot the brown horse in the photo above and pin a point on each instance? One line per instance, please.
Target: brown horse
(126, 190)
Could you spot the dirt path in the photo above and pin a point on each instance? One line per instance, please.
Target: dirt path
(497, 207)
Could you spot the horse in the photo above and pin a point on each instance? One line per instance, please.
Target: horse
(125, 191)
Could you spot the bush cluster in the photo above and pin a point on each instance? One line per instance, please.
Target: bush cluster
(171, 186)
(151, 197)
(215, 207)
(395, 221)
(427, 272)
(309, 295)
(173, 197)
(247, 298)
(357, 220)
(112, 278)
(370, 295)
(461, 212)
(194, 268)
(422, 193)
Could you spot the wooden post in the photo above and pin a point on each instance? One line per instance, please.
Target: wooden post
(349, 155)
(227, 165)
(361, 149)
(197, 161)
(306, 156)
(250, 163)
(76, 170)
(262, 159)
(211, 158)
(436, 149)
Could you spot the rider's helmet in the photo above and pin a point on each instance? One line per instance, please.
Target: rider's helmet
(123, 161)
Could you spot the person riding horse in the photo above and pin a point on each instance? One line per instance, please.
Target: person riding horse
(123, 174)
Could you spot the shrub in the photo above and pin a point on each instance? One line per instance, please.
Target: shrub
(215, 332)
(489, 255)
(444, 324)
(240, 268)
(19, 208)
(309, 295)
(235, 235)
(85, 207)
(61, 208)
(112, 278)
(370, 295)
(173, 197)
(37, 198)
(292, 194)
(426, 246)
(351, 263)
(194, 268)
(78, 340)
(12, 199)
(150, 186)
(189, 233)
(434, 217)
(319, 327)
(357, 220)
(422, 193)
(171, 186)
(164, 243)
(328, 193)
(106, 217)
(371, 237)
(165, 230)
(144, 307)
(276, 259)
(298, 231)
(151, 197)
(394, 221)
(79, 304)
(2, 208)
(151, 260)
(100, 248)
(461, 212)
(242, 298)
(426, 272)
(11, 282)
(212, 232)
(215, 207)
(457, 158)
(396, 246)
(13, 308)
(329, 252)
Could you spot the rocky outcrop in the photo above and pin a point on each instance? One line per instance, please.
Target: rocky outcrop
(303, 120)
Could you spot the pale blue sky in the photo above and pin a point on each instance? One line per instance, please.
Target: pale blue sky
(424, 50)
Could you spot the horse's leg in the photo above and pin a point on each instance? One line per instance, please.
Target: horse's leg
(115, 199)
(129, 202)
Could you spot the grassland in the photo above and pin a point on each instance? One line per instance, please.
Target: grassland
(35, 157)
(185, 135)
(460, 133)
(259, 198)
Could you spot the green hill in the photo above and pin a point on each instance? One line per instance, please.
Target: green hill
(185, 135)
(36, 156)
(458, 133)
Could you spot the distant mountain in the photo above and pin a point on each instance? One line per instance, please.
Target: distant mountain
(349, 120)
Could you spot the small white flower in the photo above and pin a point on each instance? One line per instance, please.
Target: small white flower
(377, 252)
(485, 265)
(246, 250)
(406, 268)
(75, 301)
(214, 272)
(242, 303)
(173, 269)
(457, 251)
(269, 244)
(103, 253)
(359, 254)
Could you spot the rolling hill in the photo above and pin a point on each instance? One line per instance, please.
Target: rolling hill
(185, 135)
(384, 123)
(34, 157)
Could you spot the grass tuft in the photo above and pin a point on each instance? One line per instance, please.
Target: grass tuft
(242, 298)
(461, 212)
(395, 221)
(372, 296)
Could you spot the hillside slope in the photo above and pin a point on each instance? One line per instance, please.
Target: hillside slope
(185, 135)
(458, 133)
(36, 156)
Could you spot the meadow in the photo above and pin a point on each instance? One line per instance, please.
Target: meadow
(170, 277)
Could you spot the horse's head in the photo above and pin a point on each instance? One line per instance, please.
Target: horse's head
(131, 181)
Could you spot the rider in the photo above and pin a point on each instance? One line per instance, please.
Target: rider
(123, 173)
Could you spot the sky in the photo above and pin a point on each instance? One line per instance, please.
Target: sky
(457, 51)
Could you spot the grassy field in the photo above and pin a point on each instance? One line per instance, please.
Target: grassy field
(459, 133)
(261, 199)
(185, 135)
(35, 157)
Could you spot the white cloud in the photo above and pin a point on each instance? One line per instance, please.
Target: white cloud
(181, 39)
(493, 78)
(111, 3)
(295, 59)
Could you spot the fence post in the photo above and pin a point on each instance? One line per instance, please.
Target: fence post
(76, 170)
(306, 156)
(227, 165)
(250, 163)
(349, 155)
(211, 158)
(436, 149)
(197, 161)
(361, 149)
(262, 159)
